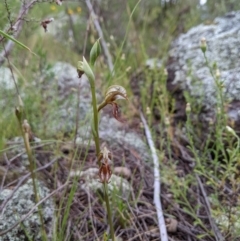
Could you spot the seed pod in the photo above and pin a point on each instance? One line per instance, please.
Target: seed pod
(95, 52)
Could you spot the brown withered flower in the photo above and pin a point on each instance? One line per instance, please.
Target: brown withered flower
(45, 23)
(104, 159)
(114, 92)
(27, 130)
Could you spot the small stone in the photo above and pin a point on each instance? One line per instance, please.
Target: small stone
(122, 172)
(171, 225)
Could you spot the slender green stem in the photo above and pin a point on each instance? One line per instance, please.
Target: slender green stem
(109, 211)
(96, 139)
(103, 104)
(221, 122)
(19, 113)
(30, 158)
(87, 69)
(33, 176)
(95, 119)
(219, 89)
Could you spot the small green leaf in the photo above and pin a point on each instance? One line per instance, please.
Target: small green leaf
(16, 41)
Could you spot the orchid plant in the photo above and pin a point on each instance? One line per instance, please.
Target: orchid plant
(113, 93)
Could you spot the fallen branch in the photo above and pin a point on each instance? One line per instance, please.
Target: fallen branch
(157, 184)
(100, 34)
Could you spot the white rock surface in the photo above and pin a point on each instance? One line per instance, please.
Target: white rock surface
(188, 66)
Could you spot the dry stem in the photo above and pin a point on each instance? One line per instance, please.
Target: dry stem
(100, 34)
(157, 184)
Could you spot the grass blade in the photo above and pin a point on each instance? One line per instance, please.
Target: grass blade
(16, 41)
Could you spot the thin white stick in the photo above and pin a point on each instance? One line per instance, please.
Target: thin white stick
(100, 34)
(157, 183)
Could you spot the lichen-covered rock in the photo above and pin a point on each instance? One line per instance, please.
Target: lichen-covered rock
(227, 218)
(18, 206)
(187, 67)
(7, 91)
(60, 89)
(89, 180)
(112, 131)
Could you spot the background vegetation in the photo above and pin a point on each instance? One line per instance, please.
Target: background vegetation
(135, 31)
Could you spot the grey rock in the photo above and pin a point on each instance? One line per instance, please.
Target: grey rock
(188, 66)
(112, 131)
(153, 63)
(7, 91)
(6, 79)
(18, 206)
(63, 118)
(61, 92)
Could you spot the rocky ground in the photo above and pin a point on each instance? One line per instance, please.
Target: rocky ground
(73, 162)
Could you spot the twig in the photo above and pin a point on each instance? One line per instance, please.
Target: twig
(134, 219)
(32, 210)
(17, 27)
(10, 67)
(5, 172)
(8, 13)
(217, 233)
(100, 34)
(157, 184)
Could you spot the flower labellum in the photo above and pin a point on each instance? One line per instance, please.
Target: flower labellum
(115, 92)
(105, 172)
